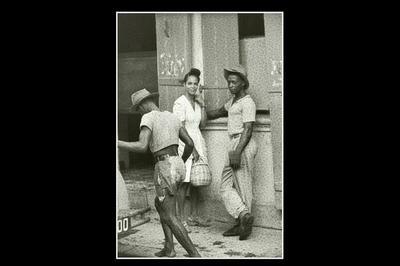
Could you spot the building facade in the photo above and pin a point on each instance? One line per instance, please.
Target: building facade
(210, 42)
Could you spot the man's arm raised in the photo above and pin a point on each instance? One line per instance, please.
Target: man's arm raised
(138, 146)
(213, 114)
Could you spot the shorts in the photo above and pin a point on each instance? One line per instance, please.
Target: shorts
(168, 174)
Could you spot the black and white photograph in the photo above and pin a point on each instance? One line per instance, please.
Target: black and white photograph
(199, 126)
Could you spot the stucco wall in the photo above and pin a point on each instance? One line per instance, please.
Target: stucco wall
(221, 47)
(273, 25)
(256, 65)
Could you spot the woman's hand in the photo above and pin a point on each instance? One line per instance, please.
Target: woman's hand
(199, 96)
(234, 159)
(196, 155)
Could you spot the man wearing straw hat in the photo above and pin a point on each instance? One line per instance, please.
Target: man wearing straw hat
(237, 175)
(161, 131)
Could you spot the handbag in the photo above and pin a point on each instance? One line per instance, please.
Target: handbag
(200, 174)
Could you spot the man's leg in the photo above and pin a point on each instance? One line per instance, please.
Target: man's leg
(243, 182)
(232, 201)
(168, 206)
(181, 197)
(168, 250)
(182, 202)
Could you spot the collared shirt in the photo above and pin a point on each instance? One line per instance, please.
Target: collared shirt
(241, 111)
(164, 128)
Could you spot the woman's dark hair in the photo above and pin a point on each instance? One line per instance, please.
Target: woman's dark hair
(193, 72)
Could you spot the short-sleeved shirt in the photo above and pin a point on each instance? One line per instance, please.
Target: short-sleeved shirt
(164, 128)
(241, 111)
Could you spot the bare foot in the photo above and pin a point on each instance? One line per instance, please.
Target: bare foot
(165, 253)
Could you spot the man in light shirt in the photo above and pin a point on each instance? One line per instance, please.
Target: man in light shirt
(237, 175)
(160, 132)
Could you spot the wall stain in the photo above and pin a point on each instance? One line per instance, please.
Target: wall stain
(171, 65)
(276, 73)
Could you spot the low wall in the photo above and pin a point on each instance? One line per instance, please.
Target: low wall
(264, 210)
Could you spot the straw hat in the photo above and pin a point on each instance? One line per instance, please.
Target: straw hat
(140, 96)
(239, 70)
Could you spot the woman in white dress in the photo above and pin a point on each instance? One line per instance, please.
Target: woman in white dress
(190, 109)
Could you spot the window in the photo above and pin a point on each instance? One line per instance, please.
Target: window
(251, 25)
(136, 33)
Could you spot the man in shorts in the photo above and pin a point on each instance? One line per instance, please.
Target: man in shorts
(161, 131)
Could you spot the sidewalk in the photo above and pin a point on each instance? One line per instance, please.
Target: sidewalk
(209, 241)
(149, 237)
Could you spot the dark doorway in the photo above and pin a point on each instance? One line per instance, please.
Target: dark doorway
(136, 33)
(137, 69)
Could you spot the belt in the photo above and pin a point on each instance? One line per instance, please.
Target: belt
(162, 157)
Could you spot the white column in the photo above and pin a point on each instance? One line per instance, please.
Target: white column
(273, 24)
(197, 47)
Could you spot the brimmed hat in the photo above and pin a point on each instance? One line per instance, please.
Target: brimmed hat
(140, 96)
(239, 70)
